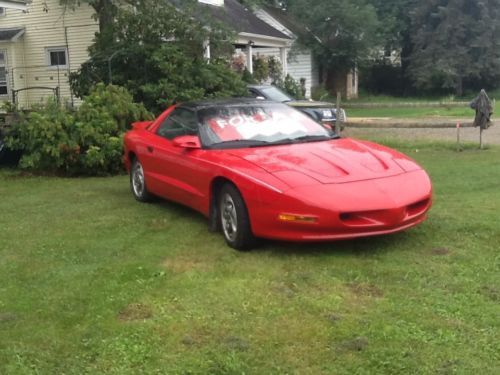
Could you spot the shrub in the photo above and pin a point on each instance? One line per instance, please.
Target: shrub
(260, 68)
(84, 142)
(319, 93)
(275, 71)
(156, 52)
(382, 78)
(159, 76)
(44, 138)
(292, 87)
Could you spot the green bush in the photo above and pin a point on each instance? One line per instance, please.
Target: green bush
(292, 87)
(260, 68)
(156, 51)
(319, 93)
(87, 141)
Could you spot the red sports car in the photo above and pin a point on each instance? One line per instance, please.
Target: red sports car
(263, 169)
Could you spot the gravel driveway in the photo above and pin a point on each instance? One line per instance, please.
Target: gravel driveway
(467, 134)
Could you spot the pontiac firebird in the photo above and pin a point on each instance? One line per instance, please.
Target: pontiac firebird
(261, 169)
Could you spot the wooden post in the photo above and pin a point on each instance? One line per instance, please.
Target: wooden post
(458, 137)
(338, 120)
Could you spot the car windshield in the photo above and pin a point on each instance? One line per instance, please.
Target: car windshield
(275, 94)
(257, 125)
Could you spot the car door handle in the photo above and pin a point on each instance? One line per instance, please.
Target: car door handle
(150, 148)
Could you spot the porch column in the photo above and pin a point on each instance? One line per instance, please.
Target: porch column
(250, 57)
(284, 62)
(206, 50)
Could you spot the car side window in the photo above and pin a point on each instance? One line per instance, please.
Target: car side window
(181, 122)
(253, 93)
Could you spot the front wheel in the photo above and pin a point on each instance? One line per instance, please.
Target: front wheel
(138, 182)
(234, 219)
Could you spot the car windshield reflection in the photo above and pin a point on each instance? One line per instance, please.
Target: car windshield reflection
(258, 125)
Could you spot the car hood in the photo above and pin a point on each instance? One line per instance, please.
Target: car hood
(328, 162)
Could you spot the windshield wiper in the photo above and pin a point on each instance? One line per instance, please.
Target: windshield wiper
(240, 143)
(314, 138)
(304, 139)
(261, 143)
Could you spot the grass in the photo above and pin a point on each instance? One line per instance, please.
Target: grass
(404, 107)
(93, 282)
(365, 97)
(412, 112)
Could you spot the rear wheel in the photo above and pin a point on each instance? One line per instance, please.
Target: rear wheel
(138, 182)
(234, 219)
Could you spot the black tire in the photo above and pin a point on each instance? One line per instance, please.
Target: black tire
(234, 219)
(138, 182)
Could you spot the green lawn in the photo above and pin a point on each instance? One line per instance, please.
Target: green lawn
(411, 112)
(365, 97)
(411, 107)
(92, 281)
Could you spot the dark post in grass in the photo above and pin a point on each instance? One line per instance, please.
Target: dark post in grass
(484, 110)
(338, 125)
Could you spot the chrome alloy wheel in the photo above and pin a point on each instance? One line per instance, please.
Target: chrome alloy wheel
(138, 180)
(229, 217)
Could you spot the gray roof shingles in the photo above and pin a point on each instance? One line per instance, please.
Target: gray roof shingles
(242, 20)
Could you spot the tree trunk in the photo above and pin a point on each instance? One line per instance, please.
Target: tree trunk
(336, 81)
(106, 11)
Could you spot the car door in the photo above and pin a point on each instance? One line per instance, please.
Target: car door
(181, 174)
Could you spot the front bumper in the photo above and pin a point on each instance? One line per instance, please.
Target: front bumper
(344, 211)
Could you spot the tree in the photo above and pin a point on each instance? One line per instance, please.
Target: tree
(386, 73)
(105, 11)
(394, 21)
(455, 44)
(156, 52)
(341, 33)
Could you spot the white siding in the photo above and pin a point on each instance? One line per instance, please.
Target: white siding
(47, 24)
(299, 66)
(300, 63)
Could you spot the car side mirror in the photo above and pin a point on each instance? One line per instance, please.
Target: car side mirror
(139, 125)
(187, 141)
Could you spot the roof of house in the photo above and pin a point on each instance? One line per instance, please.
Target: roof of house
(242, 20)
(286, 19)
(14, 4)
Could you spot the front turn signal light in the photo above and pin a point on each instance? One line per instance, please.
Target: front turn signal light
(297, 218)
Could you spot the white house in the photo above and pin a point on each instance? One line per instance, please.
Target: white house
(301, 63)
(270, 31)
(253, 34)
(41, 42)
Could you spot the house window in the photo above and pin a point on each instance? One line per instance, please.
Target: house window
(57, 57)
(3, 75)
